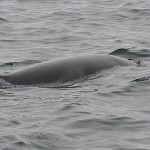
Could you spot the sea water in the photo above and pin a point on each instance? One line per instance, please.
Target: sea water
(109, 112)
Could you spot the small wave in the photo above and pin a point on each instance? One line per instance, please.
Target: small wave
(118, 123)
(69, 38)
(66, 14)
(140, 11)
(77, 19)
(26, 62)
(135, 8)
(127, 4)
(13, 142)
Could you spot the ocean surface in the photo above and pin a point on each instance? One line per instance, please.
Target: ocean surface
(111, 112)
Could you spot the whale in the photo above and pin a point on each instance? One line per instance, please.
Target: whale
(61, 70)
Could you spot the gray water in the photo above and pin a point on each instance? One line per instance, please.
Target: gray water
(111, 112)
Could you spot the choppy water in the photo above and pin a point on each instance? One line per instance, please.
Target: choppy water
(107, 113)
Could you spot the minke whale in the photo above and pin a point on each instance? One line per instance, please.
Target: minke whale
(64, 69)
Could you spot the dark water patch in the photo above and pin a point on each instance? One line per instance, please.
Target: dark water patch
(83, 113)
(15, 123)
(140, 11)
(66, 108)
(146, 112)
(142, 140)
(77, 19)
(142, 79)
(9, 41)
(3, 20)
(20, 144)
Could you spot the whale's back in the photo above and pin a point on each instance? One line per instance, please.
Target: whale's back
(64, 69)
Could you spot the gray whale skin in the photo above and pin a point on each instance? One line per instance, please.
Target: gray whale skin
(64, 69)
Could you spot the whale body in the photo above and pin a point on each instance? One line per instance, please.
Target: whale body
(64, 69)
